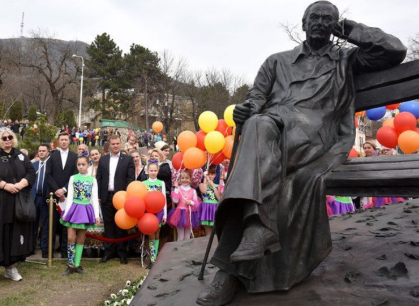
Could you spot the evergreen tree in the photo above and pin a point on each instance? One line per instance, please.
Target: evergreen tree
(65, 118)
(105, 65)
(2, 109)
(143, 73)
(32, 116)
(16, 111)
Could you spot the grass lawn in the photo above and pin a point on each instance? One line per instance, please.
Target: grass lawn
(45, 286)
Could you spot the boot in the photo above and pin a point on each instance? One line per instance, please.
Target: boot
(152, 244)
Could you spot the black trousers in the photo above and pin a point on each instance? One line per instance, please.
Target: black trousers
(112, 230)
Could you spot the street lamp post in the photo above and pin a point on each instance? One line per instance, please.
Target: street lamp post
(81, 87)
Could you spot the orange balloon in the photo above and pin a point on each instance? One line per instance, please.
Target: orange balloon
(194, 158)
(228, 146)
(186, 140)
(157, 126)
(136, 189)
(360, 114)
(408, 141)
(389, 122)
(123, 220)
(119, 199)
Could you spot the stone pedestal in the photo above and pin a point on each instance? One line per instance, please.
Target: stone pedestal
(375, 261)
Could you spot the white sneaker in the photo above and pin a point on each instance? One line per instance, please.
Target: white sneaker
(13, 274)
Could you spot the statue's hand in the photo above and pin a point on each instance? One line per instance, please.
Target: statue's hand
(343, 28)
(244, 111)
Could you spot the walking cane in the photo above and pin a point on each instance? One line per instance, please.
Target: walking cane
(230, 167)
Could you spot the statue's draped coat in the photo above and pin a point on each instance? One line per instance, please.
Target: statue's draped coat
(302, 127)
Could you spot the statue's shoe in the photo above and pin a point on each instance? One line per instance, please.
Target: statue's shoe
(256, 242)
(221, 291)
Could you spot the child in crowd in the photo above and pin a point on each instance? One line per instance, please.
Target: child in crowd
(185, 197)
(80, 213)
(154, 184)
(211, 194)
(340, 205)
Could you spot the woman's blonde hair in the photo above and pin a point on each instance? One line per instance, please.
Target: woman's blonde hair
(161, 155)
(14, 140)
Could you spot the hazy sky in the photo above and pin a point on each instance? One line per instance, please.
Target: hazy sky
(232, 34)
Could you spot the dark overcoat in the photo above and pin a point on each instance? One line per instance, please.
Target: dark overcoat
(302, 127)
(22, 233)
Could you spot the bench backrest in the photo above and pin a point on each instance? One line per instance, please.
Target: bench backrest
(397, 84)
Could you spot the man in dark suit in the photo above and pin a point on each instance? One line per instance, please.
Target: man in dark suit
(40, 195)
(60, 167)
(114, 173)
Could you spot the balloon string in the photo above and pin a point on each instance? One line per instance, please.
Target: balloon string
(190, 221)
(179, 171)
(209, 160)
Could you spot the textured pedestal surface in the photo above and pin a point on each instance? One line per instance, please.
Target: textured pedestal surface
(375, 261)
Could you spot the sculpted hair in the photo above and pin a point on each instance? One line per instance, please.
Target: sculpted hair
(319, 2)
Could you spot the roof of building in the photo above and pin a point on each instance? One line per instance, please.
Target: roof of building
(119, 124)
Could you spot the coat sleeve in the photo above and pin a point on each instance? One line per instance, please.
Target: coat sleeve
(52, 184)
(130, 171)
(376, 50)
(30, 171)
(262, 86)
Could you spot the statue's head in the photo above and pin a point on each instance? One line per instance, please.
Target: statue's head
(319, 20)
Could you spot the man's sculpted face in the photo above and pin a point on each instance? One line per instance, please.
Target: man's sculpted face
(320, 22)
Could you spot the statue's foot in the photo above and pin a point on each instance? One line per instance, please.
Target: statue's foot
(256, 242)
(222, 290)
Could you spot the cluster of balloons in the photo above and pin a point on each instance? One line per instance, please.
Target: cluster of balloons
(401, 130)
(215, 138)
(136, 206)
(94, 133)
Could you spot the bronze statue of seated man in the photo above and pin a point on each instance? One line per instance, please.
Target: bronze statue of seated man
(298, 124)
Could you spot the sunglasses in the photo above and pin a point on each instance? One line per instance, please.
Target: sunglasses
(10, 137)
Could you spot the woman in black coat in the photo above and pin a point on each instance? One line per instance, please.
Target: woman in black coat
(16, 175)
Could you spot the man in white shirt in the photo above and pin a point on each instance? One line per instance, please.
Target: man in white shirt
(60, 167)
(114, 173)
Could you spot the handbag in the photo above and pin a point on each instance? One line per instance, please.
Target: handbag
(25, 211)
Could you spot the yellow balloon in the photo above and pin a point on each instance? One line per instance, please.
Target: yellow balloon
(228, 115)
(214, 142)
(81, 138)
(208, 121)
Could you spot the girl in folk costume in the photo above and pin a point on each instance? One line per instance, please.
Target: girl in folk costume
(211, 194)
(81, 212)
(154, 184)
(185, 197)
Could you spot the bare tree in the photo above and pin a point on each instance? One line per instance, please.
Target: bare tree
(170, 87)
(46, 67)
(413, 52)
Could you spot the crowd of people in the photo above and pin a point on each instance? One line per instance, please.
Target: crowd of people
(343, 204)
(84, 183)
(96, 136)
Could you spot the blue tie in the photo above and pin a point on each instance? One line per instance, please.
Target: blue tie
(40, 178)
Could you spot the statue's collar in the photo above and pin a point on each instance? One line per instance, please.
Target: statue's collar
(304, 49)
